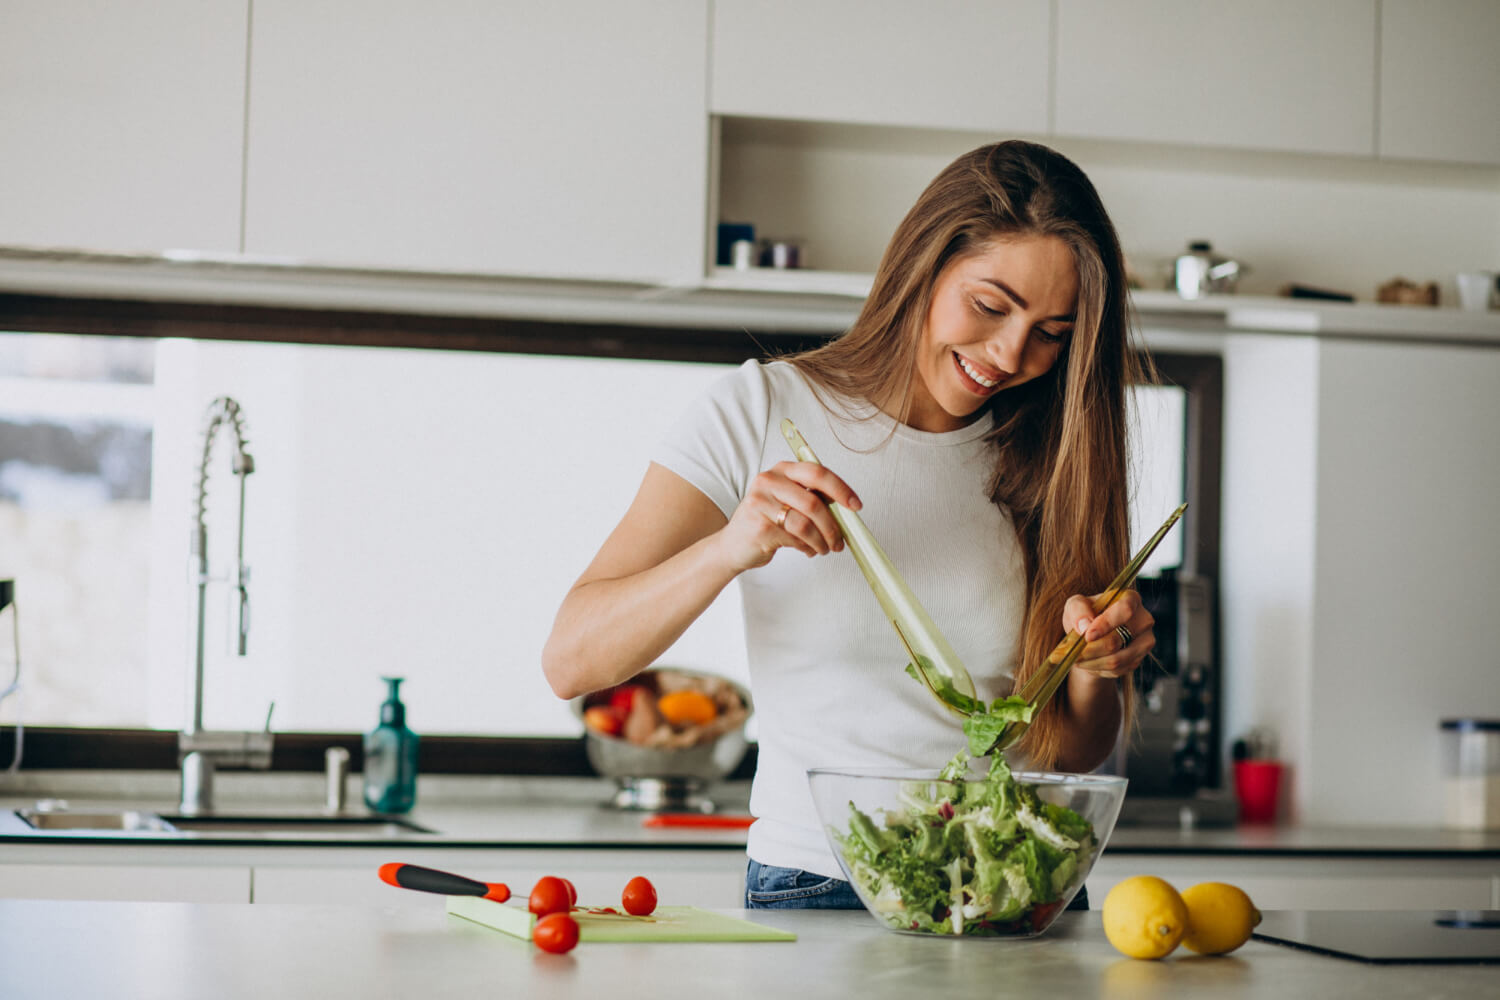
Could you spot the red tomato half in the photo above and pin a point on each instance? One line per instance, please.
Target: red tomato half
(639, 897)
(572, 892)
(550, 895)
(556, 932)
(623, 697)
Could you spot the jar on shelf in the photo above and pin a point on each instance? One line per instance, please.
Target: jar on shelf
(1471, 773)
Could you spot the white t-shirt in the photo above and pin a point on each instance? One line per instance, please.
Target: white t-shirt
(827, 670)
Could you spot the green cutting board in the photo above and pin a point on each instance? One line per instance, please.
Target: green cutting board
(668, 923)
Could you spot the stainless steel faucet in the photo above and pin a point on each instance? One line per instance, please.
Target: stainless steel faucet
(201, 752)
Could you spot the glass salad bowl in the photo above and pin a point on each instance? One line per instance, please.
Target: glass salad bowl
(957, 853)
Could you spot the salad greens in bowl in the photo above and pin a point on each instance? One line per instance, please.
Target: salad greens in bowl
(958, 853)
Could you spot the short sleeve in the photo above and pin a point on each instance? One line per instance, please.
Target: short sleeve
(718, 443)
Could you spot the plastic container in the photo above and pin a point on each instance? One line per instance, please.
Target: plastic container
(1471, 773)
(1258, 785)
(391, 757)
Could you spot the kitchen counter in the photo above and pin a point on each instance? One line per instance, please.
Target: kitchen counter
(571, 812)
(187, 950)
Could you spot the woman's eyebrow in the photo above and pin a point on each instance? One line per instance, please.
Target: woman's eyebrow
(1069, 318)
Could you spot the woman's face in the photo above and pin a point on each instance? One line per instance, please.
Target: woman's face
(998, 318)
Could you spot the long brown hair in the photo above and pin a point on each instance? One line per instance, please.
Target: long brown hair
(1059, 440)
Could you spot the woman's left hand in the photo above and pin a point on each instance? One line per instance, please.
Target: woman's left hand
(1108, 654)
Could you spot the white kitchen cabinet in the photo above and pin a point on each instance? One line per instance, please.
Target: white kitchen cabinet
(1439, 77)
(1317, 883)
(320, 874)
(942, 64)
(565, 139)
(1276, 75)
(123, 124)
(686, 878)
(180, 883)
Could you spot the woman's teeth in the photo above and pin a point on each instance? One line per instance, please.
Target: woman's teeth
(988, 383)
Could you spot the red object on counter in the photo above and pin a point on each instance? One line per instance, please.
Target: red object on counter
(1258, 784)
(722, 822)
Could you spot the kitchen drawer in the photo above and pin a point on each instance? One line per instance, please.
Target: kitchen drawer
(696, 878)
(139, 883)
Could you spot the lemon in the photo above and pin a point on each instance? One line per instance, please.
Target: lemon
(1144, 917)
(1220, 918)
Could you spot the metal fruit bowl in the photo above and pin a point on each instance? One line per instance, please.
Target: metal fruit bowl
(660, 778)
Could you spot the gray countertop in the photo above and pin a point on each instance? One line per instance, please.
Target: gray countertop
(572, 812)
(193, 950)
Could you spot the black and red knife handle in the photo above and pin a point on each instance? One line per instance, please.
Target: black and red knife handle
(416, 877)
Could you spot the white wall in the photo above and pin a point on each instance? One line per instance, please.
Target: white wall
(1407, 574)
(412, 512)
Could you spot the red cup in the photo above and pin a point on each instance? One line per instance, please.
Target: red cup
(1258, 783)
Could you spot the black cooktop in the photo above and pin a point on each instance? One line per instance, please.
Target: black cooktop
(1388, 936)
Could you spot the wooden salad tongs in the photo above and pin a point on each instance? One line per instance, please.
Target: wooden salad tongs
(1042, 685)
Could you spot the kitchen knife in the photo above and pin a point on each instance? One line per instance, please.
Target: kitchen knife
(404, 876)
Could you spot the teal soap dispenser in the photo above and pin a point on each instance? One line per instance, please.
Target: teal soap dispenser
(391, 757)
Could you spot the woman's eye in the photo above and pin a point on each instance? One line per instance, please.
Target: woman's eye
(986, 309)
(1049, 336)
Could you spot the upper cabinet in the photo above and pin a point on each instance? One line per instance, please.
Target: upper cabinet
(939, 64)
(1276, 74)
(122, 124)
(1439, 80)
(560, 139)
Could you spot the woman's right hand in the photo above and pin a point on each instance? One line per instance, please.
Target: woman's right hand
(786, 507)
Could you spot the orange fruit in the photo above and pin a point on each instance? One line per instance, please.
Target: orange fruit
(687, 708)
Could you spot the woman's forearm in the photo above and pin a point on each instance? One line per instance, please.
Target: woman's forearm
(1092, 719)
(608, 630)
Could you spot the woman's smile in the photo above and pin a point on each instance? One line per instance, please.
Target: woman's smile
(983, 381)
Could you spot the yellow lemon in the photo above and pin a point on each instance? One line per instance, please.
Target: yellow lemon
(1144, 917)
(1220, 918)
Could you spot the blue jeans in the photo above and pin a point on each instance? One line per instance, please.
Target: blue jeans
(770, 888)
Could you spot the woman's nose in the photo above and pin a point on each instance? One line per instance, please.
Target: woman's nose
(1006, 349)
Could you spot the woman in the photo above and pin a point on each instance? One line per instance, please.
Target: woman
(975, 413)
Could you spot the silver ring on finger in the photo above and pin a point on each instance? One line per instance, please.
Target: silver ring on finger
(781, 518)
(1124, 634)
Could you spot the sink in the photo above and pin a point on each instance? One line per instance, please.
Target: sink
(126, 819)
(352, 827)
(372, 826)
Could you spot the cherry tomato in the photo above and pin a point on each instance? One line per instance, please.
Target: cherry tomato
(639, 897)
(549, 895)
(572, 892)
(556, 932)
(623, 697)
